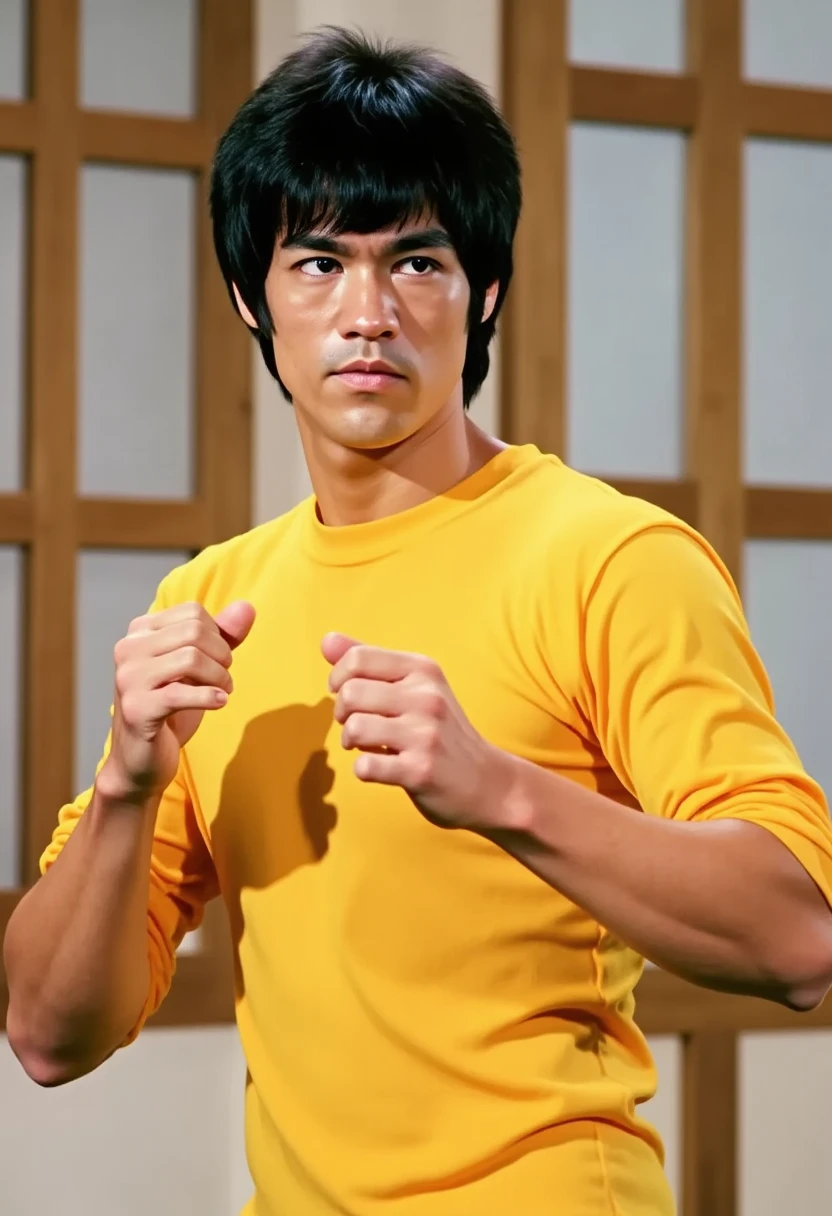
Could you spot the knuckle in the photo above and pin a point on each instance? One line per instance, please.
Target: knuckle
(434, 701)
(431, 740)
(121, 650)
(130, 708)
(422, 771)
(193, 631)
(124, 678)
(190, 657)
(357, 658)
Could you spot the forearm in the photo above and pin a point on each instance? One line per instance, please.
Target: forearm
(723, 904)
(76, 950)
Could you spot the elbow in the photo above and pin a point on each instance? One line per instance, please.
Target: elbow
(45, 1067)
(806, 979)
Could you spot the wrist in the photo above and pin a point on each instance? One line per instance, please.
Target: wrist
(113, 788)
(506, 803)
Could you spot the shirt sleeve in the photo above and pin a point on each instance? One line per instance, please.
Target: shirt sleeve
(182, 876)
(680, 701)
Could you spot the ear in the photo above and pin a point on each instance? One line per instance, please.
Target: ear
(245, 311)
(490, 299)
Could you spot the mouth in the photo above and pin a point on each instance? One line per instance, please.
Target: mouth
(369, 377)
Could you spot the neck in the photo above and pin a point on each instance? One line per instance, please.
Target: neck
(354, 486)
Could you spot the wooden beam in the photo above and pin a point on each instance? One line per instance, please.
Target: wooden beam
(129, 523)
(784, 112)
(16, 519)
(534, 322)
(50, 642)
(709, 1114)
(713, 306)
(136, 140)
(667, 1005)
(18, 126)
(680, 498)
(784, 513)
(224, 356)
(643, 99)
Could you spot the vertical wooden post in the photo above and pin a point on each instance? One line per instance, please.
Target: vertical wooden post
(714, 271)
(714, 457)
(534, 322)
(224, 347)
(709, 1124)
(50, 627)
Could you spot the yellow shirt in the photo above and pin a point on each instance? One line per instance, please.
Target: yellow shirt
(430, 1029)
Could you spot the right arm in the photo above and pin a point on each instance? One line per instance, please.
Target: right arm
(79, 945)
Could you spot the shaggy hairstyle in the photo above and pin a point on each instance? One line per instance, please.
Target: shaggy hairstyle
(351, 135)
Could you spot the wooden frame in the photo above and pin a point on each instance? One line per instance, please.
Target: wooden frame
(48, 518)
(718, 110)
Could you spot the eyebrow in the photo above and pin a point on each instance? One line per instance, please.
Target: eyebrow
(408, 242)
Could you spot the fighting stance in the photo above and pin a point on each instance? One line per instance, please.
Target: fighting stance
(496, 733)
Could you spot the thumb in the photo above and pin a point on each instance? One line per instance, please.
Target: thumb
(335, 645)
(235, 621)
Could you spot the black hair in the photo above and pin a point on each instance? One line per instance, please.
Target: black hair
(352, 135)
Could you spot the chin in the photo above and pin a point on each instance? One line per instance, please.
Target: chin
(371, 425)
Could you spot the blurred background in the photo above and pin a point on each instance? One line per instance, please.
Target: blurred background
(668, 331)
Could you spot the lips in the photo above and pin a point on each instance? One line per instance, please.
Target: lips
(369, 376)
(374, 367)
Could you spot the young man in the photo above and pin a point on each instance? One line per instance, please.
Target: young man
(495, 732)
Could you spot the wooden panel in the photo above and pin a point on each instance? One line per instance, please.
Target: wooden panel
(133, 140)
(224, 344)
(16, 519)
(677, 497)
(709, 1113)
(196, 998)
(534, 324)
(714, 277)
(18, 126)
(52, 371)
(122, 524)
(787, 113)
(202, 993)
(775, 513)
(667, 1005)
(637, 98)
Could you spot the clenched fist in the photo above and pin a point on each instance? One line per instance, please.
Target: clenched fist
(398, 710)
(170, 668)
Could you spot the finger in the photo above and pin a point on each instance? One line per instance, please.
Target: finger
(194, 632)
(235, 621)
(151, 708)
(371, 731)
(380, 769)
(335, 645)
(368, 696)
(188, 665)
(374, 663)
(152, 621)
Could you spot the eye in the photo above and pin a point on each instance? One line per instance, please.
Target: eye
(420, 266)
(318, 268)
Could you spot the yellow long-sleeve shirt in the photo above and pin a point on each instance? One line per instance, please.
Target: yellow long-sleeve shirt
(430, 1029)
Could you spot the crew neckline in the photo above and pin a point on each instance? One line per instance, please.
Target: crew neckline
(356, 544)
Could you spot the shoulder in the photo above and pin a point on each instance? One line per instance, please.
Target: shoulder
(229, 569)
(598, 535)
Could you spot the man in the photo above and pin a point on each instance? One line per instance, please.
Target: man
(495, 732)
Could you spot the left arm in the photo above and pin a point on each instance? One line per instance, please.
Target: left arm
(725, 875)
(723, 904)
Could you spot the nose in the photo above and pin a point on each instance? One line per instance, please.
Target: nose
(368, 306)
